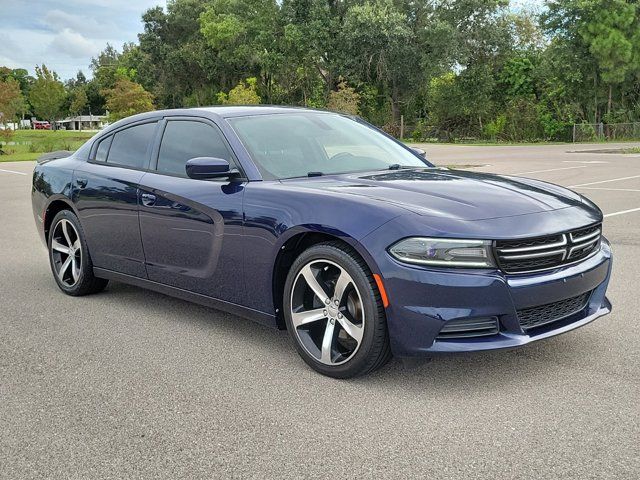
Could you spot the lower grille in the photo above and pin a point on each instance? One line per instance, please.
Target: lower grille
(469, 327)
(533, 317)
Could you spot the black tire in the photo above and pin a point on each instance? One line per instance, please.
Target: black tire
(86, 283)
(373, 350)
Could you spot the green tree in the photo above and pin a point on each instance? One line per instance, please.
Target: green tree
(127, 98)
(47, 94)
(613, 36)
(598, 42)
(244, 34)
(11, 101)
(379, 42)
(174, 60)
(79, 102)
(518, 76)
(20, 75)
(104, 67)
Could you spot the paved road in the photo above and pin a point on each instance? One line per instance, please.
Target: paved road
(132, 384)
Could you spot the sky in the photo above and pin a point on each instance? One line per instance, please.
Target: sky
(66, 34)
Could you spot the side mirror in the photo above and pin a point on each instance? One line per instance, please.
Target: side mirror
(419, 151)
(201, 168)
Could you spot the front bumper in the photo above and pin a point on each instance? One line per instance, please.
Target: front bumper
(423, 300)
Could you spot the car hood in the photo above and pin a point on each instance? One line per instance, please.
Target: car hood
(462, 195)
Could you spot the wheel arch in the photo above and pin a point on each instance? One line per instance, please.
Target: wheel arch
(55, 205)
(297, 241)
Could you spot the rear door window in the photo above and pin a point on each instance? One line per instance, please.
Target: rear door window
(130, 147)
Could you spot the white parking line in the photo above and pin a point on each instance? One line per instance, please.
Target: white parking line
(604, 181)
(11, 171)
(549, 170)
(584, 161)
(622, 212)
(610, 189)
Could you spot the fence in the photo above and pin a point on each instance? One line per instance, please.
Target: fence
(606, 131)
(579, 132)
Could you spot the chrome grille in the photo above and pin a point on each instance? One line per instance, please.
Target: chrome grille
(551, 251)
(533, 317)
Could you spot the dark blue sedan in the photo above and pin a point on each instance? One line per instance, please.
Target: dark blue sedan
(321, 224)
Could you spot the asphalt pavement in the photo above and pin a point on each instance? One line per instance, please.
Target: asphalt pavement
(134, 384)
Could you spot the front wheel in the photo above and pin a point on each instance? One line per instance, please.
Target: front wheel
(334, 312)
(69, 257)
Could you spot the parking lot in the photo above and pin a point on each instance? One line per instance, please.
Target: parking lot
(131, 384)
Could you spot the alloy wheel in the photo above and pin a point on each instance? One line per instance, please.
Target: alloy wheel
(327, 312)
(66, 252)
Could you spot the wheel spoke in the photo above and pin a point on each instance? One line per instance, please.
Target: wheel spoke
(75, 269)
(64, 267)
(312, 281)
(65, 232)
(57, 246)
(76, 245)
(353, 330)
(327, 343)
(341, 285)
(309, 316)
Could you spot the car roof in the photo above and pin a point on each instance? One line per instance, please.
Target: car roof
(212, 112)
(244, 110)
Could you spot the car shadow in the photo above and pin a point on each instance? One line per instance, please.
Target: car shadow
(442, 374)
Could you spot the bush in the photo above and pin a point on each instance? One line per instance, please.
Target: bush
(495, 129)
(245, 93)
(344, 100)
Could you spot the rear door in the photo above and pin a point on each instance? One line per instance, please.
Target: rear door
(106, 196)
(192, 229)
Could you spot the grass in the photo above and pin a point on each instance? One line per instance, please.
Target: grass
(482, 143)
(30, 144)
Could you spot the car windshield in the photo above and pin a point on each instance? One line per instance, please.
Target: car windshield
(301, 144)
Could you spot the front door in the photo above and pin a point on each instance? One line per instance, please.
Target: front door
(192, 229)
(106, 196)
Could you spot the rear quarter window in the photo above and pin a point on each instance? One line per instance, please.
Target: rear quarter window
(103, 149)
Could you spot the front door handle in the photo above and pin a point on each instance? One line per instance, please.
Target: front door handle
(148, 200)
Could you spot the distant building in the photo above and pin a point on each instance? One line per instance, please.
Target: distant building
(82, 122)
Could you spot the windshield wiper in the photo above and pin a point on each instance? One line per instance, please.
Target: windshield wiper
(315, 174)
(397, 166)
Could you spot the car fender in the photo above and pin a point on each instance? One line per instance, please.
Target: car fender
(329, 231)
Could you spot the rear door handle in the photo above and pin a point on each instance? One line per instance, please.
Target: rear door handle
(82, 182)
(148, 200)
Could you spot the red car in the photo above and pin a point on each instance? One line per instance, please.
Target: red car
(41, 125)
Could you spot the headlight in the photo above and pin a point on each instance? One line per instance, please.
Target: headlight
(444, 252)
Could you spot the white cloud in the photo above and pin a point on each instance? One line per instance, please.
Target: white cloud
(65, 35)
(117, 5)
(58, 20)
(73, 44)
(9, 63)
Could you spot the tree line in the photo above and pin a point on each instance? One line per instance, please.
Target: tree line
(448, 69)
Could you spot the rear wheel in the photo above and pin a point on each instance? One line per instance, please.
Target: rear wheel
(334, 313)
(69, 257)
